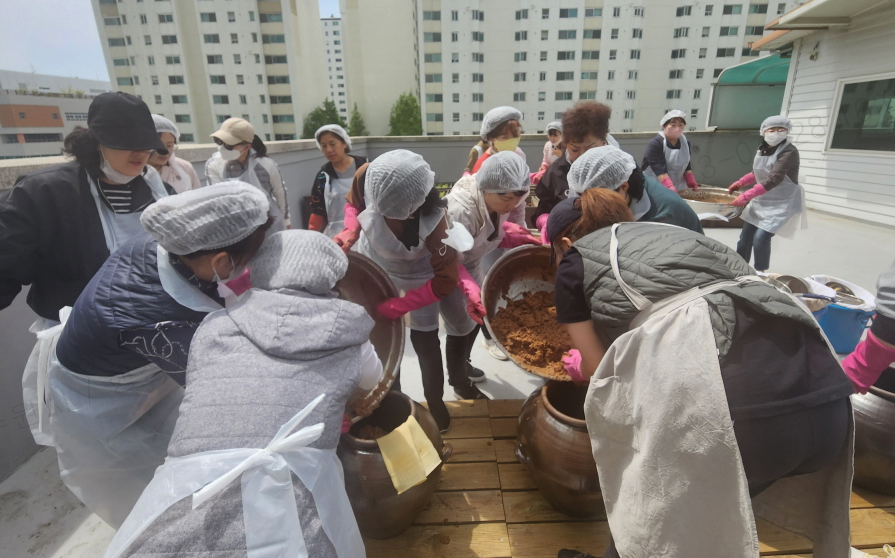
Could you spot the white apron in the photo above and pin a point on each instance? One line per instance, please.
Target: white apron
(782, 210)
(676, 161)
(669, 464)
(249, 176)
(118, 228)
(270, 514)
(334, 192)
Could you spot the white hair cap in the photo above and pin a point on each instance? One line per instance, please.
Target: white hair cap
(778, 121)
(601, 167)
(209, 218)
(162, 124)
(398, 182)
(555, 125)
(497, 116)
(298, 259)
(334, 129)
(672, 114)
(505, 171)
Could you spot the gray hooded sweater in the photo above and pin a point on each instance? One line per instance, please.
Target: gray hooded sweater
(252, 367)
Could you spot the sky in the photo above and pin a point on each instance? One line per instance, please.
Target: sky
(59, 37)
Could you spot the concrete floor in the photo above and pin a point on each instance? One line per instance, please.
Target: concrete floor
(39, 517)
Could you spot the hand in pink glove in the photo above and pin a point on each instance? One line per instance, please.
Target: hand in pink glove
(745, 181)
(869, 359)
(394, 308)
(541, 223)
(691, 180)
(516, 235)
(351, 232)
(572, 364)
(473, 296)
(668, 184)
(749, 194)
(346, 424)
(535, 177)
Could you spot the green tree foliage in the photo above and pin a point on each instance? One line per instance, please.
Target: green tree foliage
(327, 113)
(405, 118)
(356, 125)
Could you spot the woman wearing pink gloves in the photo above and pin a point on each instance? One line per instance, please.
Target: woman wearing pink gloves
(553, 150)
(484, 205)
(395, 215)
(777, 199)
(667, 156)
(877, 352)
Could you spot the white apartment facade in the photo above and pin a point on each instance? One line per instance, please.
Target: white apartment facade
(333, 35)
(200, 62)
(37, 111)
(543, 56)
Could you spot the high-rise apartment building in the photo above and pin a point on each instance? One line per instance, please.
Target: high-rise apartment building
(199, 62)
(333, 35)
(544, 56)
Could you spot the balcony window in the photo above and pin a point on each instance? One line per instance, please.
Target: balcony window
(431, 16)
(521, 14)
(565, 55)
(520, 56)
(726, 52)
(563, 96)
(587, 95)
(272, 39)
(518, 97)
(675, 74)
(211, 38)
(272, 18)
(683, 11)
(478, 97)
(732, 9)
(521, 35)
(434, 117)
(758, 8)
(519, 76)
(432, 57)
(208, 17)
(169, 39)
(433, 78)
(673, 94)
(220, 99)
(681, 32)
(636, 33)
(593, 12)
(434, 97)
(590, 55)
(588, 75)
(565, 76)
(632, 74)
(729, 31)
(568, 13)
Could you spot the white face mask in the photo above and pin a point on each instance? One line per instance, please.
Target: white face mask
(234, 273)
(228, 154)
(113, 174)
(774, 138)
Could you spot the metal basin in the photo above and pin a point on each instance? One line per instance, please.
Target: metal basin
(367, 284)
(874, 437)
(705, 199)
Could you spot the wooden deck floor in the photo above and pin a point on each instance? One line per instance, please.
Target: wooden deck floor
(488, 506)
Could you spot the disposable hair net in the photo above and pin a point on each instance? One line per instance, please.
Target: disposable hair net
(398, 182)
(612, 141)
(778, 121)
(672, 114)
(298, 259)
(209, 218)
(505, 171)
(601, 167)
(335, 129)
(162, 124)
(497, 116)
(555, 125)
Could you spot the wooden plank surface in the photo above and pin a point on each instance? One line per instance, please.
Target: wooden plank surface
(861, 498)
(467, 450)
(529, 506)
(469, 476)
(873, 527)
(465, 408)
(514, 476)
(503, 427)
(504, 408)
(472, 427)
(774, 540)
(505, 451)
(476, 506)
(544, 540)
(484, 540)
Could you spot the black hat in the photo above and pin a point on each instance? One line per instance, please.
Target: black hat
(563, 214)
(122, 121)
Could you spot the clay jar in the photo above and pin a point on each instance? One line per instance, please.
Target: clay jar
(874, 436)
(553, 444)
(381, 512)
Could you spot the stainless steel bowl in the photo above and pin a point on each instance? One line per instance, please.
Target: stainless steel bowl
(795, 284)
(704, 199)
(367, 284)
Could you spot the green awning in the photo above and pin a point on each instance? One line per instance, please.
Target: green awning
(766, 70)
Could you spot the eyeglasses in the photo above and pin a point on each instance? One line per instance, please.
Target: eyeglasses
(226, 146)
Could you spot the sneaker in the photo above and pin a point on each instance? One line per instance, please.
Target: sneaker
(474, 374)
(495, 351)
(440, 413)
(469, 391)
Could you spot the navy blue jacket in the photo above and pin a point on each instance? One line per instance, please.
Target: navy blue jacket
(668, 207)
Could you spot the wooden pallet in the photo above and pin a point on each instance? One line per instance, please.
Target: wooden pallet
(488, 506)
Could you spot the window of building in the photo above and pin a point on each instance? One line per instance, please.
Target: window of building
(588, 75)
(639, 11)
(630, 94)
(683, 11)
(519, 97)
(480, 56)
(270, 39)
(673, 94)
(545, 13)
(143, 19)
(169, 39)
(675, 74)
(749, 52)
(166, 18)
(521, 14)
(237, 59)
(637, 33)
(593, 12)
(629, 114)
(111, 21)
(609, 95)
(708, 10)
(565, 76)
(275, 59)
(434, 97)
(679, 53)
(478, 36)
(271, 18)
(172, 60)
(521, 35)
(283, 118)
(276, 80)
(703, 52)
(178, 80)
(281, 99)
(864, 118)
(681, 32)
(519, 76)
(478, 78)
(478, 97)
(613, 54)
(434, 117)
(209, 17)
(758, 8)
(120, 62)
(178, 99)
(781, 9)
(700, 73)
(568, 13)
(435, 78)
(211, 38)
(587, 95)
(431, 16)
(147, 39)
(222, 118)
(732, 9)
(455, 57)
(635, 54)
(436, 57)
(478, 15)
(456, 97)
(755, 30)
(542, 76)
(729, 31)
(234, 38)
(540, 115)
(520, 56)
(697, 93)
(255, 38)
(717, 72)
(616, 12)
(706, 31)
(565, 55)
(563, 96)
(613, 34)
(121, 81)
(542, 96)
(454, 36)
(127, 39)
(455, 78)
(726, 52)
(432, 37)
(456, 117)
(182, 118)
(478, 116)
(593, 33)
(543, 56)
(545, 35)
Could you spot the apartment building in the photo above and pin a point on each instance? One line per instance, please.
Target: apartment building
(37, 111)
(333, 35)
(200, 62)
(543, 56)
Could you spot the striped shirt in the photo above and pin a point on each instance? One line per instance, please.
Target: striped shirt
(126, 198)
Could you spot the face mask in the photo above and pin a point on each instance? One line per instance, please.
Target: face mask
(507, 145)
(228, 154)
(568, 158)
(236, 272)
(113, 174)
(774, 138)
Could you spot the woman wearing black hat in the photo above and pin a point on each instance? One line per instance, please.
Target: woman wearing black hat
(59, 224)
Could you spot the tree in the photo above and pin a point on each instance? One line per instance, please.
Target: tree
(356, 125)
(321, 116)
(405, 118)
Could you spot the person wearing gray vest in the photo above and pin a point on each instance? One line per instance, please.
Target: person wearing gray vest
(269, 379)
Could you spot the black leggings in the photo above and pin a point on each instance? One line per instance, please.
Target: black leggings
(781, 446)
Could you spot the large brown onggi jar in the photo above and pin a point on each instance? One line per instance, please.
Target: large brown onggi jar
(875, 436)
(553, 444)
(380, 511)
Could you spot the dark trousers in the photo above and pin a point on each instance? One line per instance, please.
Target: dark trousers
(795, 443)
(457, 349)
(758, 240)
(428, 351)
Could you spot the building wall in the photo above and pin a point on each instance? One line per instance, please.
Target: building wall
(334, 44)
(850, 183)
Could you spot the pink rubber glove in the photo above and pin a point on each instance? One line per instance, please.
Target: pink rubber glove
(473, 296)
(669, 184)
(351, 232)
(516, 235)
(572, 364)
(541, 223)
(869, 359)
(241, 284)
(749, 194)
(691, 180)
(346, 424)
(394, 308)
(745, 181)
(535, 177)
(466, 173)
